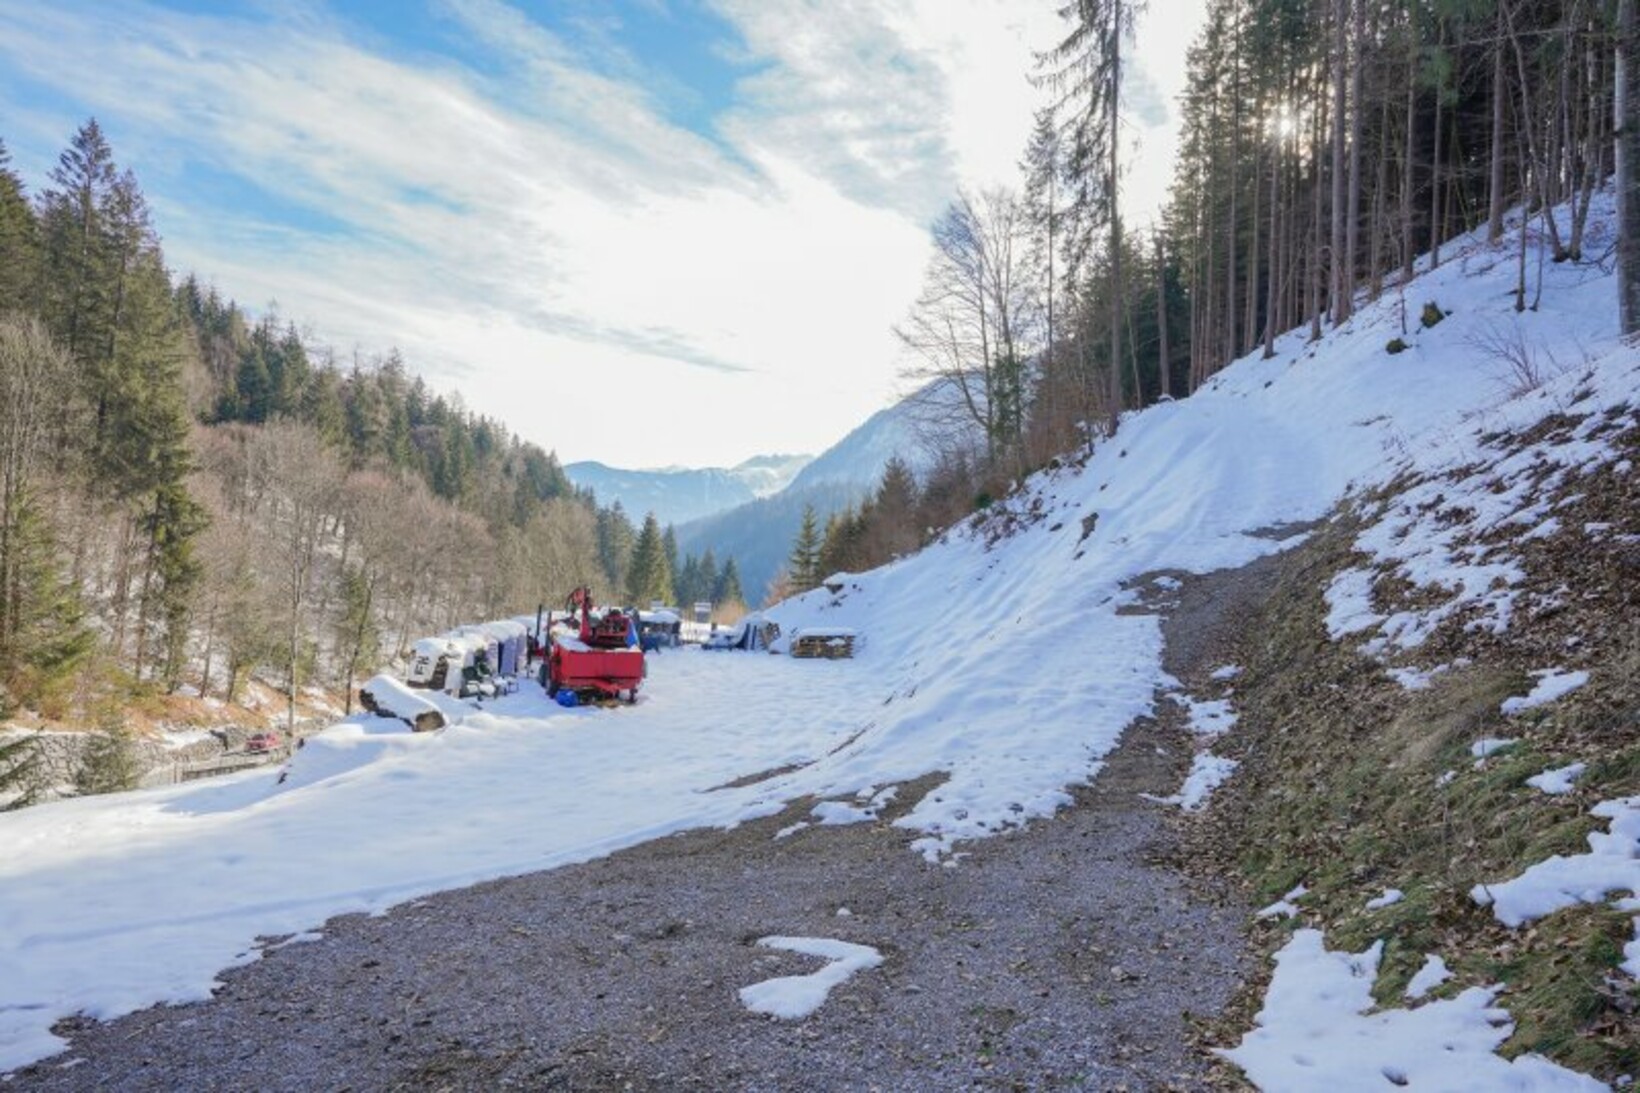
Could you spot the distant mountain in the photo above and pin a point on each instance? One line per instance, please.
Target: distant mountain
(759, 534)
(677, 495)
(859, 458)
(769, 474)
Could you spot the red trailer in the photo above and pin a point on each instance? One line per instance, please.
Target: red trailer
(599, 661)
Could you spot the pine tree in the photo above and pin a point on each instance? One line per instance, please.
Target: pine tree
(709, 576)
(803, 566)
(650, 578)
(19, 241)
(50, 641)
(76, 234)
(727, 590)
(893, 526)
(615, 539)
(669, 542)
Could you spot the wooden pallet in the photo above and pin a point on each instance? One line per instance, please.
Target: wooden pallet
(828, 644)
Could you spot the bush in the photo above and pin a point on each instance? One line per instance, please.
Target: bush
(1396, 345)
(110, 762)
(18, 760)
(1432, 314)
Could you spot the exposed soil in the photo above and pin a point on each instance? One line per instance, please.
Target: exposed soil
(1071, 954)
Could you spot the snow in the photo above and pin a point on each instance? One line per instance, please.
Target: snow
(182, 738)
(1491, 745)
(1631, 953)
(1417, 679)
(1390, 897)
(1552, 683)
(1006, 665)
(1431, 975)
(1558, 780)
(792, 997)
(1286, 906)
(1316, 1032)
(1209, 717)
(394, 699)
(1611, 865)
(1229, 671)
(1207, 773)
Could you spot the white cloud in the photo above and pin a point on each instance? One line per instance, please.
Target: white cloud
(538, 235)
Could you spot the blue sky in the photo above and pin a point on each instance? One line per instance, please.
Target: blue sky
(699, 217)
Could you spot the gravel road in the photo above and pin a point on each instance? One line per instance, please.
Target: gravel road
(1066, 955)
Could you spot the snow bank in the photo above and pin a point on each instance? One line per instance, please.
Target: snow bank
(1315, 1032)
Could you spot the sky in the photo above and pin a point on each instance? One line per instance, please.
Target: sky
(648, 232)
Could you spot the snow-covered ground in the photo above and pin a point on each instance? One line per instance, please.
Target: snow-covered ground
(1002, 661)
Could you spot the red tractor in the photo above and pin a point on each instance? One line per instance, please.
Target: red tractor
(603, 660)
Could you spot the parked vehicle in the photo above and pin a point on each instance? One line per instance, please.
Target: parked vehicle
(264, 742)
(602, 659)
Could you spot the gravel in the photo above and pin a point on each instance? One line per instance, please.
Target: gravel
(1071, 954)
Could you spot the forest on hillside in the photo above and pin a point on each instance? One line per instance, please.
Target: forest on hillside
(1325, 146)
(189, 495)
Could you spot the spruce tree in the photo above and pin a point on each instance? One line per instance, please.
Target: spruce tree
(728, 585)
(804, 564)
(707, 589)
(74, 217)
(669, 544)
(615, 538)
(687, 582)
(19, 241)
(650, 578)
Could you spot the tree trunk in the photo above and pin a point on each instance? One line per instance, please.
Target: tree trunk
(1408, 150)
(1435, 193)
(1352, 214)
(1316, 210)
(1115, 220)
(1274, 287)
(1164, 363)
(1626, 124)
(1249, 323)
(1338, 289)
(1494, 223)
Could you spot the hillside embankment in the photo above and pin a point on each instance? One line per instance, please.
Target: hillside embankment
(1371, 765)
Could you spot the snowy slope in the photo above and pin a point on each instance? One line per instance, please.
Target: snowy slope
(1001, 661)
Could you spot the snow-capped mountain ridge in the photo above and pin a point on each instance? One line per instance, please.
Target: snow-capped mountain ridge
(679, 494)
